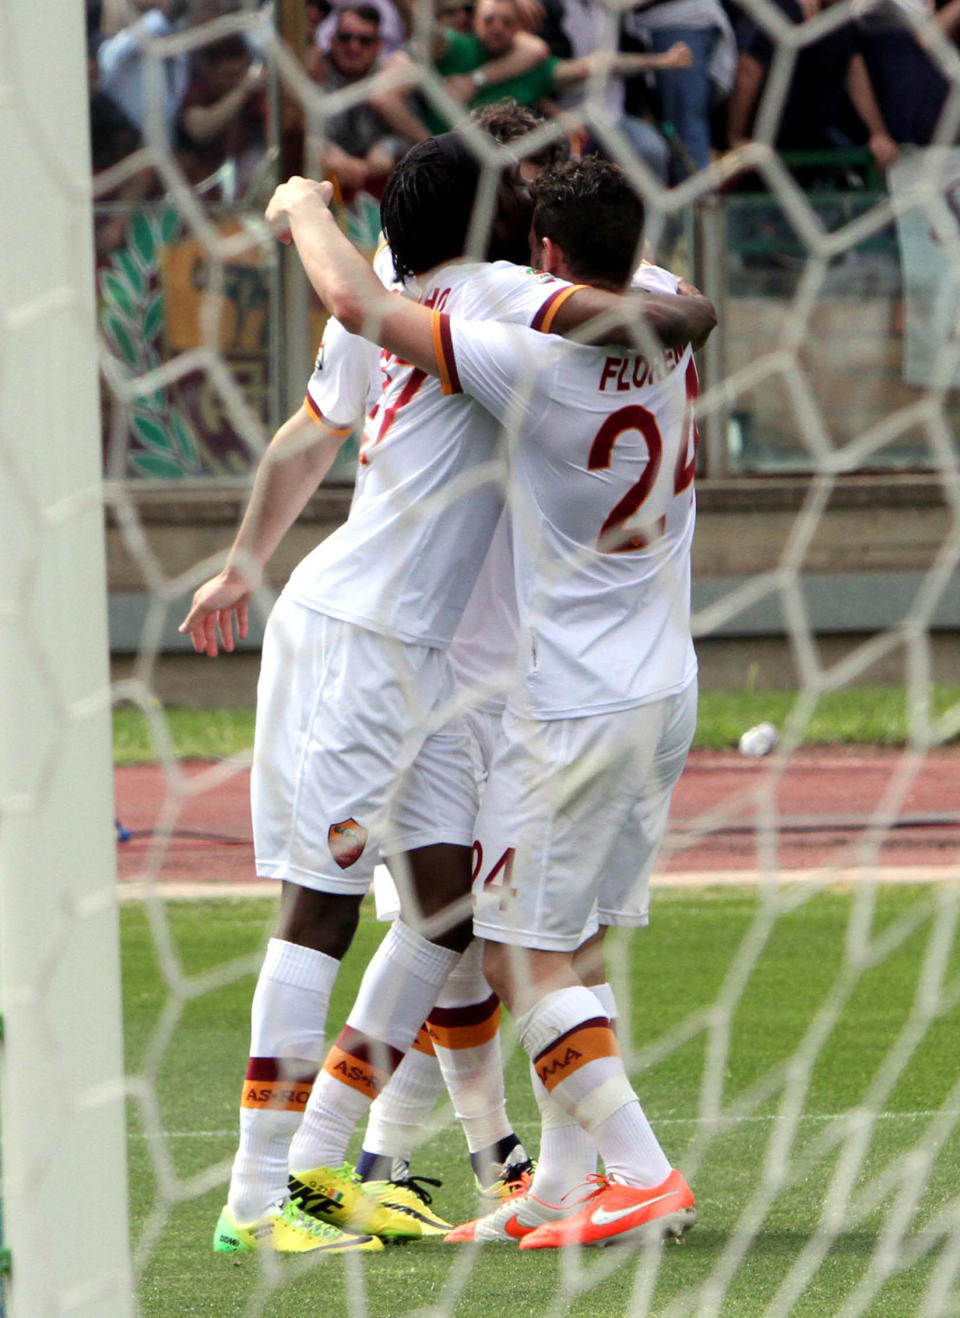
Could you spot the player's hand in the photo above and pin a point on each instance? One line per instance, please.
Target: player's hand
(679, 56)
(294, 195)
(218, 605)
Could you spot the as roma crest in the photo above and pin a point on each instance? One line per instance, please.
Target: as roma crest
(346, 841)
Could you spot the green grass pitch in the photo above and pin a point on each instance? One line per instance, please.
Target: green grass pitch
(907, 988)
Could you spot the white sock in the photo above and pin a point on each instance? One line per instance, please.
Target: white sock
(575, 1056)
(398, 1117)
(465, 1029)
(397, 992)
(568, 1155)
(288, 1018)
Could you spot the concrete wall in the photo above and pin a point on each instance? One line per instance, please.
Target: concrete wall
(855, 567)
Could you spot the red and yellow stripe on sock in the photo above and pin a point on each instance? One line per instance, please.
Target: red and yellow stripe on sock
(362, 1063)
(590, 1041)
(277, 1083)
(469, 1026)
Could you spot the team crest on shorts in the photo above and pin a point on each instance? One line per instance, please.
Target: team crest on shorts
(347, 841)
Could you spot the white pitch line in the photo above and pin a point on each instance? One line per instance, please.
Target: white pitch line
(720, 1122)
(198, 889)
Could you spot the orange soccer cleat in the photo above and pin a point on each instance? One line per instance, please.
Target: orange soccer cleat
(615, 1211)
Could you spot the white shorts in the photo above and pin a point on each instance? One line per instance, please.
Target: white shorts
(460, 800)
(341, 713)
(571, 820)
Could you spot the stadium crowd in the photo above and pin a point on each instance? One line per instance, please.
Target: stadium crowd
(685, 84)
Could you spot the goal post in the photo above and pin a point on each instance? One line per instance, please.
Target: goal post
(64, 1191)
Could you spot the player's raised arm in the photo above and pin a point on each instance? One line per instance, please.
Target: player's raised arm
(295, 462)
(299, 210)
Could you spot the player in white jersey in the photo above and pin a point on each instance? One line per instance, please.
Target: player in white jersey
(601, 479)
(353, 673)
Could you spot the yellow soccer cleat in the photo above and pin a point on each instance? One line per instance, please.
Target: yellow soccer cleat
(338, 1196)
(409, 1196)
(286, 1231)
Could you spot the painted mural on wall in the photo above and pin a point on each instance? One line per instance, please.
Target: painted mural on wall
(157, 298)
(154, 294)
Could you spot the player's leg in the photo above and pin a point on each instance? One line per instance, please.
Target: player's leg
(430, 833)
(314, 810)
(563, 829)
(465, 1029)
(400, 1114)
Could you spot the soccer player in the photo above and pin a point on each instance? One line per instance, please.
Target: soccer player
(601, 720)
(353, 673)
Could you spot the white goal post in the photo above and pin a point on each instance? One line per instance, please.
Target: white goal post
(61, 1068)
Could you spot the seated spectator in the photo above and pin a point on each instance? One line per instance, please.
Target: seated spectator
(688, 93)
(223, 118)
(829, 76)
(362, 147)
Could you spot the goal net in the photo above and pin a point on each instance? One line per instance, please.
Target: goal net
(789, 1018)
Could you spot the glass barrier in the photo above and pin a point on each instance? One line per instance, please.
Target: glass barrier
(865, 350)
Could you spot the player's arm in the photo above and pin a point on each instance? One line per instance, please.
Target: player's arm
(295, 462)
(299, 209)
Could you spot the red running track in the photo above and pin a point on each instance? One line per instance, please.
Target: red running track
(730, 814)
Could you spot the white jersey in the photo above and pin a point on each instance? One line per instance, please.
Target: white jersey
(346, 382)
(407, 558)
(483, 651)
(602, 507)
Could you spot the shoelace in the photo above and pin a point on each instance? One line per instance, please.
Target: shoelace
(519, 1186)
(296, 1217)
(597, 1180)
(416, 1184)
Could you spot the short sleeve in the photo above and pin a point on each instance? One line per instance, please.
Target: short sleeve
(499, 365)
(345, 379)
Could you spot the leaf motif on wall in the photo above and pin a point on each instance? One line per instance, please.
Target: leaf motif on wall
(153, 317)
(141, 235)
(124, 341)
(151, 433)
(186, 441)
(152, 464)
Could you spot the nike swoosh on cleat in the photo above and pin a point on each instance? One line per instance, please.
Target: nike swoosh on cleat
(604, 1216)
(515, 1229)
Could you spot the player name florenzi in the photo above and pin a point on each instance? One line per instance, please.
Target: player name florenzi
(632, 370)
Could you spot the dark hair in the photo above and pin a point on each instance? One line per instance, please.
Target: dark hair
(507, 121)
(426, 207)
(589, 209)
(366, 13)
(428, 204)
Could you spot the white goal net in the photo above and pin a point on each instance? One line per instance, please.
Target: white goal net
(790, 1019)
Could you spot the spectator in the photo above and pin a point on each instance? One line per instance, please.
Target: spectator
(362, 147)
(123, 74)
(500, 61)
(588, 28)
(826, 72)
(394, 27)
(224, 114)
(457, 15)
(910, 88)
(112, 138)
(687, 93)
